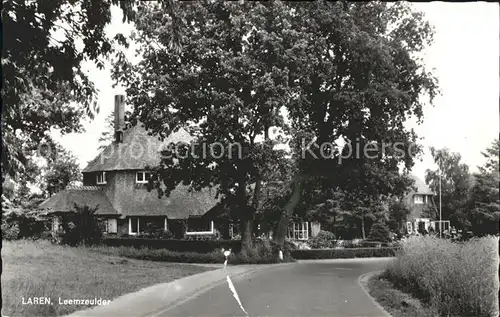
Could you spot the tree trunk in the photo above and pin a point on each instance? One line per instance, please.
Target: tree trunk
(334, 227)
(363, 226)
(246, 234)
(281, 230)
(247, 214)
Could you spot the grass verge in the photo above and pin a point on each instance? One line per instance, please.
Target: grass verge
(40, 269)
(394, 301)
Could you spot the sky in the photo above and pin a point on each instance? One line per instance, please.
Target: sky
(464, 56)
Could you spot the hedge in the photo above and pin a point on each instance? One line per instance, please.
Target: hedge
(263, 252)
(198, 246)
(348, 253)
(366, 244)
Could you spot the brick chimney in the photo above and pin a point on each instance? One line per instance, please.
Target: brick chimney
(119, 117)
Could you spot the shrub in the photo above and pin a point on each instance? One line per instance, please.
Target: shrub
(18, 225)
(83, 227)
(379, 232)
(152, 231)
(347, 253)
(263, 252)
(10, 231)
(324, 239)
(455, 279)
(200, 246)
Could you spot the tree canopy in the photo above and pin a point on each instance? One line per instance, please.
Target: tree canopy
(455, 185)
(484, 199)
(327, 70)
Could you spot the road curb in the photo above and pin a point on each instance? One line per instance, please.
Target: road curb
(363, 283)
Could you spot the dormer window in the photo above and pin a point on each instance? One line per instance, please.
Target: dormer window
(101, 178)
(142, 177)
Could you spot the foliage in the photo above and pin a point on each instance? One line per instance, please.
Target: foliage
(330, 65)
(22, 225)
(354, 59)
(456, 279)
(82, 228)
(455, 186)
(348, 253)
(154, 232)
(10, 231)
(62, 171)
(260, 253)
(398, 214)
(44, 82)
(198, 246)
(108, 135)
(43, 71)
(222, 88)
(379, 232)
(324, 239)
(484, 199)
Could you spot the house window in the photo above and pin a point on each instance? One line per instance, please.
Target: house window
(197, 226)
(142, 177)
(299, 231)
(111, 225)
(418, 199)
(101, 178)
(409, 227)
(133, 225)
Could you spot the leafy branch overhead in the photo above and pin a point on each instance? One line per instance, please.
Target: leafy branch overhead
(45, 84)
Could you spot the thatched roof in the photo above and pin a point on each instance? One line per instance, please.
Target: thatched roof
(91, 196)
(180, 204)
(137, 151)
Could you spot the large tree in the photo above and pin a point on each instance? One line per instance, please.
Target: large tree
(226, 86)
(455, 186)
(358, 79)
(61, 171)
(341, 70)
(484, 201)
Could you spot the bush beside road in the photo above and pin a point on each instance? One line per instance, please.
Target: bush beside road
(453, 279)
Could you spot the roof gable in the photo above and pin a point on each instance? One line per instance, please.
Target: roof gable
(421, 187)
(91, 196)
(138, 150)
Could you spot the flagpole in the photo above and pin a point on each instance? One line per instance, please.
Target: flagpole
(440, 214)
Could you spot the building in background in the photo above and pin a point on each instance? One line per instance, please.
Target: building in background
(420, 199)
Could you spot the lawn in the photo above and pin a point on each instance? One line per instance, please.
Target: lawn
(41, 269)
(452, 279)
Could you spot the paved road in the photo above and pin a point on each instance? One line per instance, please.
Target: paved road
(327, 288)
